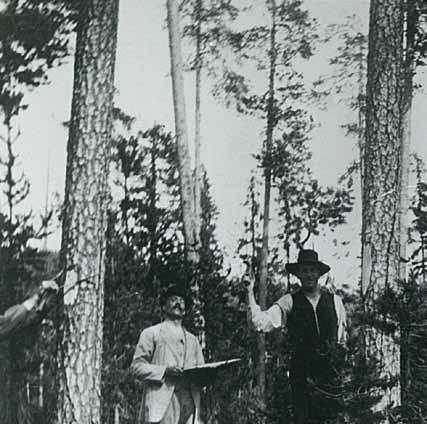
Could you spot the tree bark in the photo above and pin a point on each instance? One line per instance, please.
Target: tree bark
(404, 191)
(198, 119)
(186, 184)
(406, 131)
(383, 160)
(191, 234)
(85, 214)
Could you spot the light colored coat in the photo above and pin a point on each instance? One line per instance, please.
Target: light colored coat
(153, 354)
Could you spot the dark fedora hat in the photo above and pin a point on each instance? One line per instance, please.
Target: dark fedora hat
(175, 290)
(307, 257)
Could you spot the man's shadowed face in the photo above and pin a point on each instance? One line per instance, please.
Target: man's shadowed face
(175, 307)
(309, 276)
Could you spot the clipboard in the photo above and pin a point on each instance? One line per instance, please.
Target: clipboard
(205, 374)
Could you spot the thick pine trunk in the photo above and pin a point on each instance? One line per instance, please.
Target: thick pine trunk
(383, 163)
(85, 214)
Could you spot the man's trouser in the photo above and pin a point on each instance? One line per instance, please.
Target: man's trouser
(313, 396)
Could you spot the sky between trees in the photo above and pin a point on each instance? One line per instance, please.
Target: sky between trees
(228, 140)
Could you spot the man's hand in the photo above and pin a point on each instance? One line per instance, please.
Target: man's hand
(49, 285)
(47, 292)
(249, 279)
(173, 372)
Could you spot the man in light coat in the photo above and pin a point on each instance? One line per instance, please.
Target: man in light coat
(162, 353)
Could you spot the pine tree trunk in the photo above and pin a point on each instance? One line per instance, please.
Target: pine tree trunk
(85, 214)
(152, 207)
(198, 119)
(404, 191)
(186, 184)
(383, 161)
(263, 274)
(191, 235)
(406, 131)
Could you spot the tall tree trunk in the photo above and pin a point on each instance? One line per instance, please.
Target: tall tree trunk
(184, 163)
(404, 191)
(361, 135)
(152, 207)
(85, 214)
(198, 119)
(191, 235)
(153, 221)
(263, 274)
(383, 161)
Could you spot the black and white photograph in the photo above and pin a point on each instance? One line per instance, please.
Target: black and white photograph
(213, 211)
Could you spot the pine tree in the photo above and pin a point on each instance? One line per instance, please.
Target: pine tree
(186, 184)
(383, 179)
(85, 213)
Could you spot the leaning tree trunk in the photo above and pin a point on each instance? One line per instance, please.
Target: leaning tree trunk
(85, 214)
(383, 164)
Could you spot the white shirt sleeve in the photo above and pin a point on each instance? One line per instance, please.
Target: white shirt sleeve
(30, 303)
(342, 319)
(272, 318)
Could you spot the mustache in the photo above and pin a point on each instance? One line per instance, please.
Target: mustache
(178, 305)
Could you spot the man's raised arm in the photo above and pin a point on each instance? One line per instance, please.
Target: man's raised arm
(264, 321)
(22, 315)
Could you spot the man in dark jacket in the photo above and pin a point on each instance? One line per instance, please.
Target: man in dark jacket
(20, 316)
(316, 323)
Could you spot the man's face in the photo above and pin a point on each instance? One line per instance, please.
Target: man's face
(309, 276)
(175, 307)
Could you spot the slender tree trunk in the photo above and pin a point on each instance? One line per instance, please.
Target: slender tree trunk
(9, 178)
(198, 119)
(252, 201)
(85, 214)
(404, 191)
(191, 235)
(361, 107)
(41, 387)
(153, 220)
(262, 287)
(383, 163)
(186, 185)
(125, 217)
